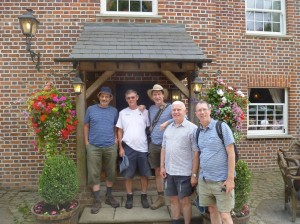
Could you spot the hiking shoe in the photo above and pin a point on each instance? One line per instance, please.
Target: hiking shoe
(110, 200)
(144, 201)
(129, 201)
(96, 207)
(160, 201)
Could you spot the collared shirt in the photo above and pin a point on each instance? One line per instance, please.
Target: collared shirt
(102, 123)
(179, 145)
(157, 134)
(134, 123)
(213, 155)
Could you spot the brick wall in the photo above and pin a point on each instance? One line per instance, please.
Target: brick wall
(218, 27)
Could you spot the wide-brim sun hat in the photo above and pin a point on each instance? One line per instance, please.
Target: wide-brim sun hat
(158, 87)
(106, 90)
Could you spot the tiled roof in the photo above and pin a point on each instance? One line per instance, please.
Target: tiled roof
(136, 42)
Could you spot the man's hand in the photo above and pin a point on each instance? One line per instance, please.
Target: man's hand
(163, 172)
(164, 125)
(229, 184)
(121, 152)
(194, 181)
(142, 108)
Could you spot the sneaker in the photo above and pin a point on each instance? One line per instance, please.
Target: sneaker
(110, 200)
(96, 207)
(144, 201)
(129, 201)
(160, 201)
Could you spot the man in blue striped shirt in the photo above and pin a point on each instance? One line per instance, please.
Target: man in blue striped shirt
(100, 136)
(217, 167)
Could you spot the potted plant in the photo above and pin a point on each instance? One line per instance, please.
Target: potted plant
(52, 119)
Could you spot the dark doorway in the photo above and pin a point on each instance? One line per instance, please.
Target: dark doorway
(141, 90)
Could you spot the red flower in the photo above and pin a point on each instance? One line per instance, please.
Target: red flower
(43, 117)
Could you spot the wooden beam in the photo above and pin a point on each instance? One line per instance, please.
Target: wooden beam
(177, 83)
(137, 66)
(106, 75)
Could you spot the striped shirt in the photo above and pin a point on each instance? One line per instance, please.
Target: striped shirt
(179, 144)
(102, 122)
(213, 155)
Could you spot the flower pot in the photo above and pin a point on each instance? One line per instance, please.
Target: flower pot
(70, 217)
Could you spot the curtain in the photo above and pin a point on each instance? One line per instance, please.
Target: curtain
(277, 95)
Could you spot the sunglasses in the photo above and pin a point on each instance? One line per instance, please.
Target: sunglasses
(130, 97)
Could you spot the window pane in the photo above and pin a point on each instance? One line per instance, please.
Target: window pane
(275, 17)
(250, 4)
(250, 25)
(276, 27)
(111, 5)
(267, 4)
(147, 6)
(250, 16)
(267, 17)
(123, 5)
(267, 27)
(259, 4)
(135, 6)
(259, 26)
(276, 5)
(259, 16)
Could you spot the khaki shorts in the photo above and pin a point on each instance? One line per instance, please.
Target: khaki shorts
(154, 155)
(210, 194)
(96, 156)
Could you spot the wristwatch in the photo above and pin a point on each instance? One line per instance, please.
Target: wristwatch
(194, 175)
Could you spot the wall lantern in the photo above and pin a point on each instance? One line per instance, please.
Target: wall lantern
(77, 83)
(175, 94)
(29, 25)
(197, 85)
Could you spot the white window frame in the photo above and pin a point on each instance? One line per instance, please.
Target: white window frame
(271, 128)
(153, 13)
(282, 19)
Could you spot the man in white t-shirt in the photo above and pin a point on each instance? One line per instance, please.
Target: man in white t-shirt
(132, 140)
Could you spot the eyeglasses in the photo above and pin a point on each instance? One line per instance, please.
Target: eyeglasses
(130, 97)
(202, 110)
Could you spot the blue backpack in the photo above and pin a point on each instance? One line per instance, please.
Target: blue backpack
(220, 134)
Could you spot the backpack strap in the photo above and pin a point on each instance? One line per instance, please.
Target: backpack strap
(219, 131)
(197, 136)
(157, 116)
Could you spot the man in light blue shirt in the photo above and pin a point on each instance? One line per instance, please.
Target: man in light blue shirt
(179, 163)
(217, 167)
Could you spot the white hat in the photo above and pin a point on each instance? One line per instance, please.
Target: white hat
(157, 87)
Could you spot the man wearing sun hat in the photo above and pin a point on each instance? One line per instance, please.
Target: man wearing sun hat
(157, 94)
(100, 136)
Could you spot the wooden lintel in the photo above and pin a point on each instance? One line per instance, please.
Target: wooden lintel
(177, 83)
(106, 75)
(137, 67)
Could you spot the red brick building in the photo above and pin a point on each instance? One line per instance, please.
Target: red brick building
(254, 45)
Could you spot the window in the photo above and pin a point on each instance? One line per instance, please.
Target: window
(265, 16)
(267, 112)
(129, 7)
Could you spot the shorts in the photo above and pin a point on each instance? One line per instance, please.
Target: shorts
(154, 155)
(137, 160)
(210, 194)
(98, 155)
(178, 186)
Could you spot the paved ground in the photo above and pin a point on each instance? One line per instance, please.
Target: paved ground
(266, 203)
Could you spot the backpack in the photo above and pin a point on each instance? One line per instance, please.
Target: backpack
(220, 134)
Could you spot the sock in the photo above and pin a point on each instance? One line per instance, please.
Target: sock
(108, 191)
(96, 195)
(161, 193)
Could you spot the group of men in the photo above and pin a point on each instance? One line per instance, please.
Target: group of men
(180, 161)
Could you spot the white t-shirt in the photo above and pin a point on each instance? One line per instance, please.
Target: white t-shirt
(134, 123)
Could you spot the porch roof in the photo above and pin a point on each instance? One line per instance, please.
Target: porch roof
(135, 42)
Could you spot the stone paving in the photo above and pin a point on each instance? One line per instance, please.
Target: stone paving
(267, 186)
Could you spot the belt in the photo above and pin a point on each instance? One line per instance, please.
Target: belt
(211, 181)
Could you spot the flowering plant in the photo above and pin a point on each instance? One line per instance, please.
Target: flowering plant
(228, 104)
(52, 118)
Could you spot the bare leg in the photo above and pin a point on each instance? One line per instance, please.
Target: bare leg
(215, 217)
(226, 218)
(186, 209)
(175, 207)
(144, 184)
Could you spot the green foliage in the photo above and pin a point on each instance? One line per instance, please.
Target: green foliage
(242, 185)
(58, 183)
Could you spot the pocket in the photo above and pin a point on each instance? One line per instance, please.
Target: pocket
(185, 183)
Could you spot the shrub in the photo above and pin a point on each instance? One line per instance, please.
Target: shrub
(242, 185)
(58, 183)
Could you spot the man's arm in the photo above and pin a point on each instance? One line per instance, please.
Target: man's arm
(86, 129)
(120, 136)
(116, 134)
(231, 168)
(162, 163)
(194, 178)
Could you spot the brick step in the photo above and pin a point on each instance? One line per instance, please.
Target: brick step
(136, 184)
